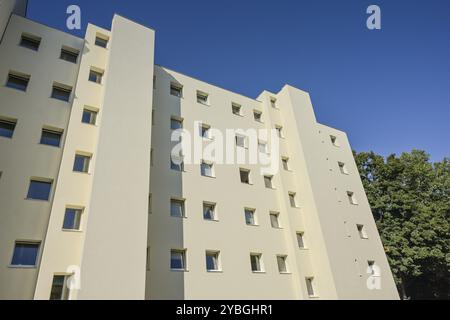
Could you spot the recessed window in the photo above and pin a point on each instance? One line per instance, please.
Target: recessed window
(273, 102)
(51, 137)
(61, 92)
(31, 42)
(262, 147)
(59, 290)
(212, 260)
(293, 199)
(89, 116)
(101, 41)
(96, 76)
(150, 203)
(18, 81)
(343, 168)
(236, 109)
(245, 175)
(241, 141)
(176, 123)
(257, 115)
(7, 127)
(256, 262)
(362, 231)
(205, 131)
(209, 211)
(39, 189)
(274, 220)
(202, 98)
(310, 287)
(250, 217)
(268, 182)
(207, 169)
(25, 254)
(176, 163)
(282, 264)
(69, 54)
(373, 269)
(351, 198)
(176, 90)
(301, 240)
(285, 162)
(177, 208)
(334, 141)
(82, 163)
(178, 259)
(72, 219)
(280, 132)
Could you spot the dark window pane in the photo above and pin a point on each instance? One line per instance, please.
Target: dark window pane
(7, 128)
(81, 163)
(39, 190)
(176, 260)
(25, 254)
(61, 93)
(69, 56)
(30, 43)
(17, 82)
(59, 289)
(211, 262)
(95, 76)
(51, 138)
(89, 117)
(101, 42)
(72, 219)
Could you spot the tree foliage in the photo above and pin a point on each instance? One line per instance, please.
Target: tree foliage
(410, 200)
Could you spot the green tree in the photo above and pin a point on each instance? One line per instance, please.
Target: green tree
(410, 200)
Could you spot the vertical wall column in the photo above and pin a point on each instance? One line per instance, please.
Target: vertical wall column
(114, 257)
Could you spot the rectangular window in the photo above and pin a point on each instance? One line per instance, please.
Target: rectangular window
(61, 92)
(209, 211)
(95, 76)
(7, 127)
(236, 109)
(274, 220)
(282, 264)
(101, 41)
(342, 168)
(268, 182)
(31, 42)
(202, 98)
(256, 262)
(18, 81)
(59, 290)
(262, 147)
(273, 102)
(280, 132)
(351, 198)
(293, 199)
(250, 218)
(69, 54)
(245, 175)
(212, 261)
(39, 189)
(241, 141)
(334, 141)
(89, 116)
(177, 208)
(72, 219)
(310, 287)
(25, 254)
(176, 164)
(301, 240)
(176, 123)
(373, 268)
(176, 90)
(178, 259)
(51, 137)
(81, 163)
(285, 162)
(205, 131)
(362, 231)
(207, 169)
(257, 115)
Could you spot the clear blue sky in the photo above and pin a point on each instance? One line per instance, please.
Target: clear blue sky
(389, 89)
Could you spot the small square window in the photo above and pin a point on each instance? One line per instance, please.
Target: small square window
(31, 42)
(310, 287)
(256, 262)
(285, 162)
(39, 189)
(89, 116)
(18, 81)
(301, 240)
(59, 290)
(293, 199)
(177, 208)
(268, 182)
(245, 176)
(178, 259)
(241, 141)
(262, 147)
(82, 163)
(69, 54)
(205, 131)
(351, 198)
(250, 217)
(96, 76)
(280, 132)
(176, 164)
(202, 98)
(207, 169)
(274, 220)
(61, 92)
(343, 168)
(176, 90)
(334, 141)
(72, 219)
(236, 109)
(176, 123)
(273, 103)
(51, 137)
(362, 231)
(282, 264)
(25, 254)
(257, 115)
(7, 127)
(212, 261)
(101, 41)
(209, 211)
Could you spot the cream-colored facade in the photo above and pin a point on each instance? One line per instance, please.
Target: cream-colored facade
(127, 242)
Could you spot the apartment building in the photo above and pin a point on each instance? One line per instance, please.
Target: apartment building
(93, 205)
